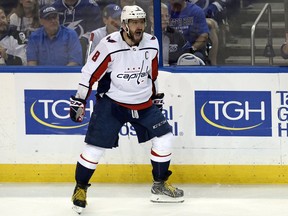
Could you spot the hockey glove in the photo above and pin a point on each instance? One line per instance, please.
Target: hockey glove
(158, 100)
(77, 109)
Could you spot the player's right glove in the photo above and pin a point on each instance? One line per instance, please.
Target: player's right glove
(77, 109)
(158, 100)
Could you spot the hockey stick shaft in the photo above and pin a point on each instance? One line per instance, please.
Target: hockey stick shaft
(90, 42)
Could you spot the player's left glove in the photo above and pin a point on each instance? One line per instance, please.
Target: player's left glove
(158, 100)
(77, 109)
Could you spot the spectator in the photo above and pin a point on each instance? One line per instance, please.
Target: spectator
(215, 13)
(144, 3)
(9, 6)
(190, 20)
(43, 3)
(104, 3)
(123, 3)
(53, 44)
(11, 53)
(173, 42)
(81, 15)
(25, 18)
(214, 9)
(111, 18)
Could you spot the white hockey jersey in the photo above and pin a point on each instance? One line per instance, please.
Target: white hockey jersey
(125, 74)
(98, 34)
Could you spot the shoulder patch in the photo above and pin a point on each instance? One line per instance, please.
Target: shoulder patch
(110, 40)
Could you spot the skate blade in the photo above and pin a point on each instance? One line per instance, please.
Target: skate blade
(77, 209)
(165, 199)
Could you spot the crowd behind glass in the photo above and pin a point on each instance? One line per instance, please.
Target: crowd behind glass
(65, 32)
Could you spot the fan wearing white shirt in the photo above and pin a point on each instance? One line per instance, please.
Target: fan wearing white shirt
(111, 19)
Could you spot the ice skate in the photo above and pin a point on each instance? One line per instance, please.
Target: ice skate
(79, 197)
(163, 192)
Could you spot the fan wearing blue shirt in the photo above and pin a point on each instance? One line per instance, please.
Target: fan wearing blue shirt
(53, 44)
(190, 20)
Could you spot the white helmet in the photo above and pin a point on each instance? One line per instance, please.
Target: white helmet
(132, 12)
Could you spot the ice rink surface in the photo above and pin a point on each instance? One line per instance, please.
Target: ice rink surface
(133, 200)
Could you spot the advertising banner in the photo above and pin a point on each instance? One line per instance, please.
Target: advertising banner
(237, 118)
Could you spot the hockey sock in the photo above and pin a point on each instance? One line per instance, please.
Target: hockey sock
(160, 170)
(83, 174)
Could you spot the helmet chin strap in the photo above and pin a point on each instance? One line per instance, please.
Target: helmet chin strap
(127, 31)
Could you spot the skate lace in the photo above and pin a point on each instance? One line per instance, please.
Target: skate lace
(80, 195)
(170, 188)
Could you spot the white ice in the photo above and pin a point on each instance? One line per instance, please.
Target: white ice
(133, 200)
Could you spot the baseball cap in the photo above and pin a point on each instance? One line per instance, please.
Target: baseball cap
(112, 10)
(46, 11)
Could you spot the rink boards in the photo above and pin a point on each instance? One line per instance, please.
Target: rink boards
(229, 125)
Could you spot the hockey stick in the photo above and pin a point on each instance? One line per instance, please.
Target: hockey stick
(90, 43)
(284, 47)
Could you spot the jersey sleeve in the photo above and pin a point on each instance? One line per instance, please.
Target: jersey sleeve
(96, 39)
(154, 68)
(94, 69)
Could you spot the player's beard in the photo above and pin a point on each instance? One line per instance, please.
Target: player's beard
(136, 36)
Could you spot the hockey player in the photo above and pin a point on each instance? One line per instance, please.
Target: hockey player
(125, 64)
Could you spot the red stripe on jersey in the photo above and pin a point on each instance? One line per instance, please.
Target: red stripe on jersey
(154, 73)
(156, 155)
(155, 68)
(88, 160)
(100, 71)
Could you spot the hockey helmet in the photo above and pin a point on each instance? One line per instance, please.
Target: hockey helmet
(132, 12)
